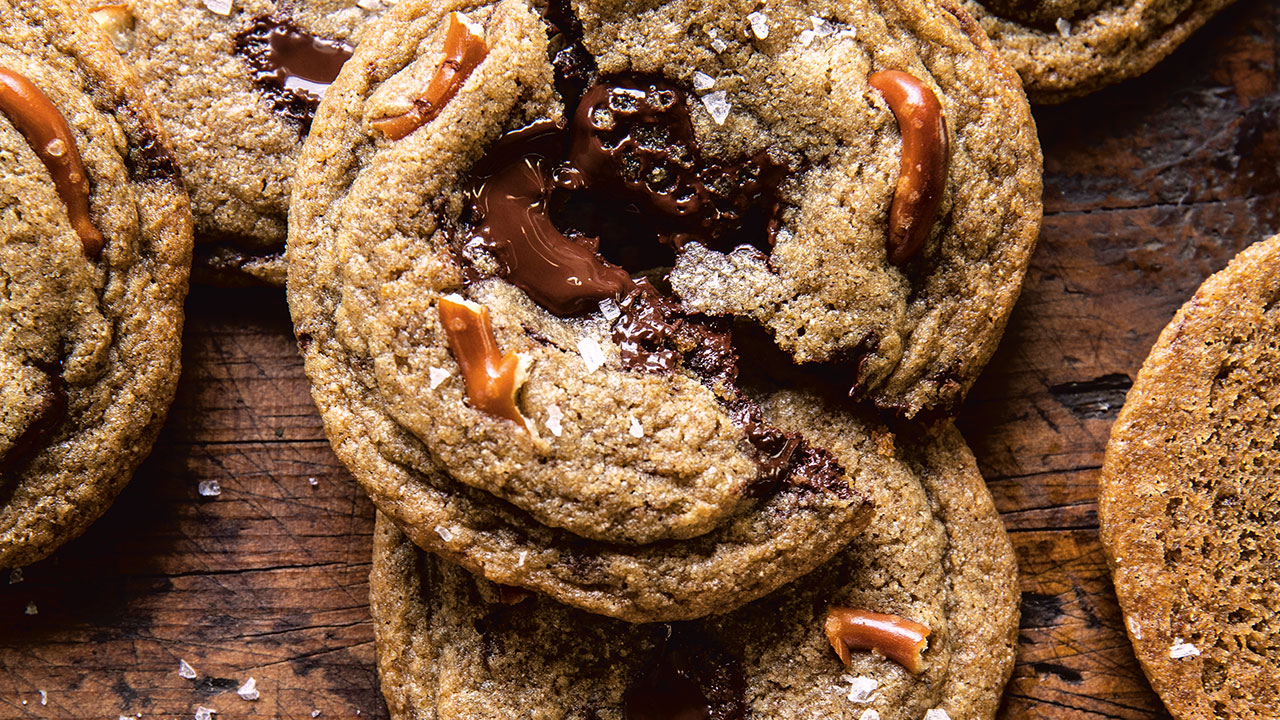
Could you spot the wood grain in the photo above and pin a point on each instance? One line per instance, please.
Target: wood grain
(1150, 187)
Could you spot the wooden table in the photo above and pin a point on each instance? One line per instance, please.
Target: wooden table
(1149, 188)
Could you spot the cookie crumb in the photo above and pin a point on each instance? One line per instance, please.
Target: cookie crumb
(249, 690)
(15, 576)
(717, 104)
(438, 375)
(1064, 27)
(445, 534)
(608, 306)
(862, 689)
(204, 713)
(31, 608)
(221, 7)
(936, 714)
(869, 714)
(592, 355)
(1181, 650)
(759, 24)
(44, 697)
(209, 488)
(185, 670)
(636, 429)
(702, 81)
(554, 416)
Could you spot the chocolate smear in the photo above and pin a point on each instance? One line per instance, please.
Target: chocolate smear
(291, 65)
(53, 410)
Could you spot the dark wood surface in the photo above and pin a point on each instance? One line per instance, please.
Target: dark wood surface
(1150, 187)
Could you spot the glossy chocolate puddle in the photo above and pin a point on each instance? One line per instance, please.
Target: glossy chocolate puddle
(293, 66)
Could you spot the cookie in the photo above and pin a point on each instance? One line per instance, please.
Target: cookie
(236, 83)
(452, 646)
(95, 249)
(1068, 48)
(461, 344)
(1190, 493)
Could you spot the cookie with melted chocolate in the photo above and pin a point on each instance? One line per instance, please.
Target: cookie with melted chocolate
(236, 86)
(492, 160)
(1068, 48)
(95, 250)
(452, 646)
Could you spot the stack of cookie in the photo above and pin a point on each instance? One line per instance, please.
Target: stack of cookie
(610, 310)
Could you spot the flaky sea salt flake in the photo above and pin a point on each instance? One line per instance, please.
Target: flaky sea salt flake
(31, 608)
(44, 697)
(608, 306)
(702, 81)
(312, 482)
(209, 488)
(592, 354)
(862, 689)
(204, 713)
(437, 375)
(1181, 650)
(936, 714)
(315, 713)
(554, 416)
(521, 558)
(445, 533)
(185, 670)
(249, 690)
(636, 429)
(1064, 27)
(869, 714)
(370, 5)
(222, 7)
(717, 44)
(1134, 628)
(759, 24)
(822, 27)
(717, 104)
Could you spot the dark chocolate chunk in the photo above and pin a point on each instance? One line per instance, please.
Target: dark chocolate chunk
(293, 66)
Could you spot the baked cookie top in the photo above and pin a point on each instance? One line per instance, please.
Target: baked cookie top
(95, 247)
(1190, 492)
(1068, 48)
(235, 83)
(453, 646)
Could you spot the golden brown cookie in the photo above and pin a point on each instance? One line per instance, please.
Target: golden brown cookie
(1190, 497)
(95, 248)
(453, 647)
(1067, 48)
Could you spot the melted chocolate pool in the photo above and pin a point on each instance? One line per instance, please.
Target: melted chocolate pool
(293, 66)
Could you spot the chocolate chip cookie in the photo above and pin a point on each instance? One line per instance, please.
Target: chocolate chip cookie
(1190, 493)
(1067, 48)
(236, 83)
(514, 230)
(95, 249)
(453, 646)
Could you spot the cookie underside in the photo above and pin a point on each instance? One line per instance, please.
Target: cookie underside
(1189, 494)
